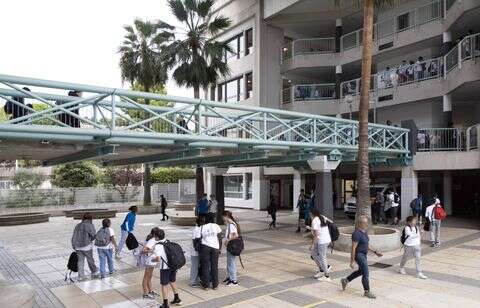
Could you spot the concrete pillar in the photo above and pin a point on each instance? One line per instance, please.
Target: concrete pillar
(447, 110)
(260, 189)
(409, 187)
(220, 196)
(447, 192)
(338, 80)
(244, 192)
(324, 193)
(298, 184)
(338, 189)
(338, 34)
(446, 43)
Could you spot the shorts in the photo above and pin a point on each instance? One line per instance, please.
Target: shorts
(167, 276)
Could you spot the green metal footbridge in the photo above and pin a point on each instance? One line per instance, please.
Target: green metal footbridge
(118, 128)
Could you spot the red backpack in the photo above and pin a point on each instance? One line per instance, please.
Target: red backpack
(439, 213)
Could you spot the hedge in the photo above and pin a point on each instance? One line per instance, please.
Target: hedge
(171, 175)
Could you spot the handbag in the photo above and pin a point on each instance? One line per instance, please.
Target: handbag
(426, 226)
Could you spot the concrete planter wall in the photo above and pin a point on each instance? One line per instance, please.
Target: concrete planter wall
(182, 214)
(383, 239)
(23, 219)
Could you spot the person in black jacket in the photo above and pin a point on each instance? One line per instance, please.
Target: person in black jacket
(163, 206)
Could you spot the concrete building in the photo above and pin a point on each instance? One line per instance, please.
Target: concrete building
(305, 55)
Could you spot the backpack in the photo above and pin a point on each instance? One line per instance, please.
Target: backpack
(404, 237)
(175, 255)
(439, 213)
(72, 266)
(333, 230)
(102, 238)
(131, 241)
(235, 246)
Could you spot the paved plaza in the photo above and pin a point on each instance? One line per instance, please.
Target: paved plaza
(278, 271)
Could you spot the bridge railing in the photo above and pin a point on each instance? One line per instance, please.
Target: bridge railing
(119, 116)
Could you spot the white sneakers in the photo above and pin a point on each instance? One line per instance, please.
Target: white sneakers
(419, 275)
(402, 271)
(323, 278)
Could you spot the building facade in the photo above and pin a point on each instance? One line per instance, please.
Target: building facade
(305, 55)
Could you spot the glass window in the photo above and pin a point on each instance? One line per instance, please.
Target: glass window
(232, 91)
(249, 186)
(233, 186)
(249, 41)
(248, 85)
(236, 45)
(212, 93)
(220, 92)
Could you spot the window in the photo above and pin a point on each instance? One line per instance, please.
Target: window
(248, 85)
(212, 93)
(233, 186)
(249, 185)
(232, 91)
(236, 45)
(248, 41)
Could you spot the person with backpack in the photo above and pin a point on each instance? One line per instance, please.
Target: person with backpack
(202, 206)
(168, 272)
(231, 232)
(411, 240)
(163, 207)
(417, 207)
(194, 258)
(272, 211)
(105, 242)
(209, 252)
(321, 241)
(435, 214)
(147, 257)
(126, 228)
(82, 242)
(360, 249)
(301, 205)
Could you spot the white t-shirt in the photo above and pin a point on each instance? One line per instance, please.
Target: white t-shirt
(195, 234)
(322, 233)
(157, 250)
(85, 248)
(109, 246)
(413, 236)
(231, 228)
(209, 235)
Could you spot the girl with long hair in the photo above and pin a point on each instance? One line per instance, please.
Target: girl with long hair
(232, 232)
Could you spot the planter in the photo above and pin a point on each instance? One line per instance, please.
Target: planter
(96, 213)
(381, 238)
(23, 219)
(182, 214)
(148, 210)
(69, 213)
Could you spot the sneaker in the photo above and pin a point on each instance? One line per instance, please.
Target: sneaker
(421, 276)
(432, 244)
(232, 283)
(148, 296)
(369, 294)
(163, 306)
(329, 268)
(318, 275)
(153, 293)
(344, 282)
(402, 271)
(323, 278)
(226, 280)
(176, 301)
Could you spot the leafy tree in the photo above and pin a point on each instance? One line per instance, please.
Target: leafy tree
(141, 63)
(121, 178)
(171, 175)
(75, 175)
(197, 59)
(363, 172)
(25, 179)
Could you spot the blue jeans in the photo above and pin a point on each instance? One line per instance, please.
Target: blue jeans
(231, 267)
(195, 261)
(361, 259)
(106, 256)
(121, 243)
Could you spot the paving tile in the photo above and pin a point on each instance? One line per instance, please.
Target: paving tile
(296, 298)
(108, 297)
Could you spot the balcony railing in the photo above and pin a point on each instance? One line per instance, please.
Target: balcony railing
(308, 92)
(441, 139)
(473, 137)
(466, 49)
(309, 46)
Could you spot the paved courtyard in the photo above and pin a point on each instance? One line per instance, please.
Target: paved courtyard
(278, 271)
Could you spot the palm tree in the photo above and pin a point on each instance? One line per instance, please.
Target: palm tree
(141, 63)
(197, 59)
(363, 172)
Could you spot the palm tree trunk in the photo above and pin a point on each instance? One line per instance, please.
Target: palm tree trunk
(363, 176)
(200, 189)
(147, 183)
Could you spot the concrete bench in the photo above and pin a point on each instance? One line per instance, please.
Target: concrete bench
(96, 213)
(23, 219)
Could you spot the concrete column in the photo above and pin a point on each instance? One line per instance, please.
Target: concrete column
(220, 196)
(324, 193)
(447, 192)
(338, 80)
(447, 110)
(298, 184)
(244, 192)
(338, 189)
(409, 187)
(446, 43)
(338, 34)
(260, 189)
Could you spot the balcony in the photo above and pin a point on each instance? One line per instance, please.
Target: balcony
(308, 92)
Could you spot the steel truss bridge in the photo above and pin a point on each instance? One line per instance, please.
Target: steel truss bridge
(118, 128)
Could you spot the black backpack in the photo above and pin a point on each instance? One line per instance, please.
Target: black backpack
(175, 255)
(404, 237)
(333, 230)
(131, 241)
(72, 266)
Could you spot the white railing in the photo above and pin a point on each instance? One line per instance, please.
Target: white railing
(441, 139)
(309, 46)
(473, 137)
(468, 48)
(308, 92)
(287, 95)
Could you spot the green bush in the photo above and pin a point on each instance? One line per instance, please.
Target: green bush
(171, 175)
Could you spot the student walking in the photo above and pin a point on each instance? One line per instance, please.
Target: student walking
(209, 252)
(82, 242)
(411, 236)
(435, 222)
(168, 276)
(272, 211)
(301, 205)
(231, 232)
(417, 207)
(126, 228)
(321, 240)
(150, 251)
(163, 207)
(194, 258)
(105, 242)
(360, 249)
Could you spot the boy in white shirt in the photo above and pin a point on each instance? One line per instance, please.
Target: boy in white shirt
(412, 246)
(434, 223)
(321, 240)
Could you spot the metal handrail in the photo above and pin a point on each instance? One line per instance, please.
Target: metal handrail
(309, 46)
(441, 139)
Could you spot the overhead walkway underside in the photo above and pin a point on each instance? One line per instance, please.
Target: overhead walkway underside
(117, 127)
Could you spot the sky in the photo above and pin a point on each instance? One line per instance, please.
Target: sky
(72, 41)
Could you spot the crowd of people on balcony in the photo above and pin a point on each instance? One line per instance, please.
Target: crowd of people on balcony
(313, 92)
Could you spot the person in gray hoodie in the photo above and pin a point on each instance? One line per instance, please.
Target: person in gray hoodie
(82, 242)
